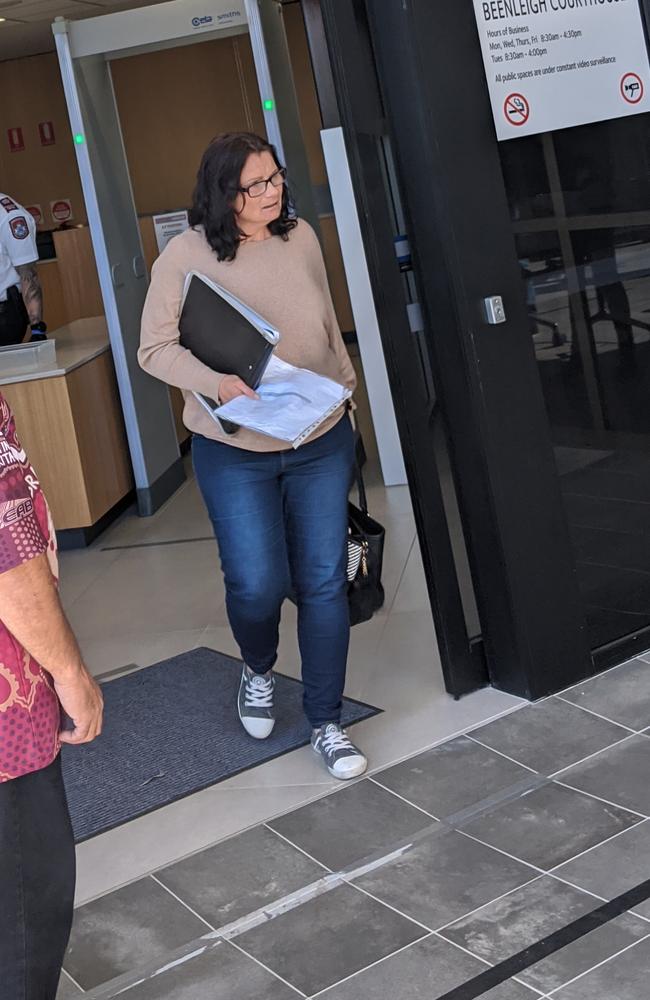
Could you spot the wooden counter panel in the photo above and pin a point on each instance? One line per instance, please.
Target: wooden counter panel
(55, 312)
(46, 430)
(72, 428)
(101, 437)
(78, 273)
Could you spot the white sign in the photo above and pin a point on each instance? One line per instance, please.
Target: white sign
(169, 225)
(554, 64)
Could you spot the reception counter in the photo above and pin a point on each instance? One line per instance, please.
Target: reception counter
(70, 422)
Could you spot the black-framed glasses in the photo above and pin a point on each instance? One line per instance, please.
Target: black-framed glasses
(258, 188)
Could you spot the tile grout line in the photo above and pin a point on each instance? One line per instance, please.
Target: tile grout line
(455, 735)
(347, 880)
(595, 895)
(373, 965)
(100, 573)
(64, 972)
(389, 610)
(604, 673)
(401, 798)
(592, 756)
(326, 869)
(599, 965)
(598, 715)
(130, 547)
(501, 754)
(595, 847)
(499, 850)
(465, 950)
(265, 787)
(267, 969)
(490, 902)
(178, 899)
(477, 909)
(527, 986)
(607, 802)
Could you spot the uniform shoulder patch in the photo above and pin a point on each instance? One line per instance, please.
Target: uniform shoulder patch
(8, 204)
(19, 228)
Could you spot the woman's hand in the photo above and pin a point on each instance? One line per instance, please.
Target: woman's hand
(231, 386)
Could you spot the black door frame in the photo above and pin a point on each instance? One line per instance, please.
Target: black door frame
(350, 97)
(440, 121)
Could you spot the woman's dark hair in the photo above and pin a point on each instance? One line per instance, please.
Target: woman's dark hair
(217, 186)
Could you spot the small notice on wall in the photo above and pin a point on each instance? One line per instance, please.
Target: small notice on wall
(46, 133)
(61, 210)
(36, 213)
(555, 64)
(168, 226)
(16, 139)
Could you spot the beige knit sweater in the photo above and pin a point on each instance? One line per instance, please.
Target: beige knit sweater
(284, 281)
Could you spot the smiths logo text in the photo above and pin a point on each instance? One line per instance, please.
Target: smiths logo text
(200, 22)
(231, 15)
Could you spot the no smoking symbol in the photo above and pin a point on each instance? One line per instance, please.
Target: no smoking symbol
(632, 88)
(517, 109)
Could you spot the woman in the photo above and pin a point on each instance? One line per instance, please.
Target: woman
(279, 515)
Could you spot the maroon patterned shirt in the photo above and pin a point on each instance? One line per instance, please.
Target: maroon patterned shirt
(29, 708)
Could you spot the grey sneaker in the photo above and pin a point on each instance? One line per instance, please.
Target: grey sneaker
(342, 758)
(255, 703)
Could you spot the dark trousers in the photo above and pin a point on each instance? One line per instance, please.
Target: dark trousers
(280, 520)
(14, 319)
(37, 878)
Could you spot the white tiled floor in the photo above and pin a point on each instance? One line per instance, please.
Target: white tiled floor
(141, 605)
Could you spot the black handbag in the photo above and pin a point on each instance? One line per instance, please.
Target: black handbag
(365, 558)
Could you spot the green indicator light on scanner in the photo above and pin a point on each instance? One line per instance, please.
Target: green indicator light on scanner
(269, 105)
(79, 139)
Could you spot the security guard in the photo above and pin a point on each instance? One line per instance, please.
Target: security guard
(21, 297)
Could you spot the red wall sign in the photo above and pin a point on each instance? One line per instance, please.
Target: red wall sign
(16, 140)
(46, 132)
(61, 210)
(36, 212)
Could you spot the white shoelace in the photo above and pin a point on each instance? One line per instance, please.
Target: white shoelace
(335, 740)
(259, 692)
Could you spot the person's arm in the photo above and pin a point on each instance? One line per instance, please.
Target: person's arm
(30, 287)
(31, 610)
(19, 239)
(160, 353)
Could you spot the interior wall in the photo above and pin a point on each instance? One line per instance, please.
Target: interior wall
(31, 92)
(171, 103)
(200, 90)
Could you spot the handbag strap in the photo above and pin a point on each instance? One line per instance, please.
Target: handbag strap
(358, 475)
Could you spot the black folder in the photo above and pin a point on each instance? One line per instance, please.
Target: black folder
(221, 336)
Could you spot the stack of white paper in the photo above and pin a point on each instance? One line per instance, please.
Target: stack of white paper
(293, 403)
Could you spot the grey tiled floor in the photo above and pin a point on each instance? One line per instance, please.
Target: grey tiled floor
(413, 881)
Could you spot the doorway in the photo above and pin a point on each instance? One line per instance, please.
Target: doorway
(239, 67)
(546, 416)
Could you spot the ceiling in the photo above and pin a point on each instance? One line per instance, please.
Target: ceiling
(27, 30)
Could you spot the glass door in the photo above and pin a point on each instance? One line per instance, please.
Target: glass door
(580, 209)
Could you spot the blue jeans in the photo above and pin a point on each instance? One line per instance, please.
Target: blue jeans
(280, 519)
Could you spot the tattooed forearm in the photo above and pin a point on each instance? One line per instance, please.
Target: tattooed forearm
(32, 293)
